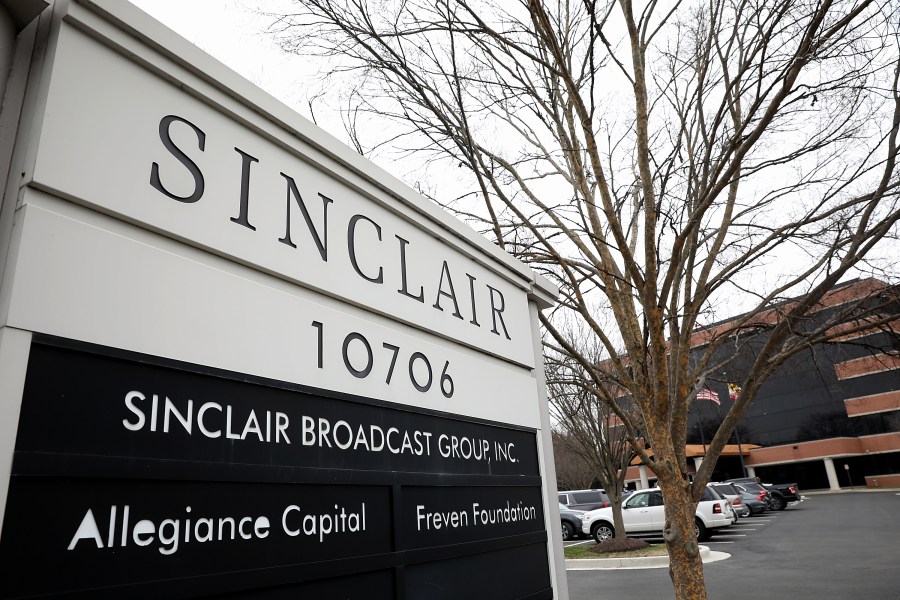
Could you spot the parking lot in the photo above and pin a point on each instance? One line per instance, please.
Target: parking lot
(844, 545)
(744, 527)
(732, 535)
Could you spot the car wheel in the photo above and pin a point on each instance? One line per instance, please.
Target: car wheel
(568, 532)
(778, 503)
(603, 532)
(700, 531)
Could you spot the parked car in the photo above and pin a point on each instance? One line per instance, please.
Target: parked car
(571, 522)
(733, 495)
(756, 506)
(758, 491)
(644, 514)
(584, 499)
(789, 492)
(779, 493)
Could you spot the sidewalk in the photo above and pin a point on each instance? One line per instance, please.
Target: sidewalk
(642, 562)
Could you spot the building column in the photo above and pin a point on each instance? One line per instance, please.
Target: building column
(698, 460)
(832, 474)
(645, 483)
(751, 472)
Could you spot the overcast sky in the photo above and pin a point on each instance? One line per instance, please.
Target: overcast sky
(234, 32)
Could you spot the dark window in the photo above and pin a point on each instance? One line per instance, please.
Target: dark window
(710, 494)
(585, 497)
(726, 489)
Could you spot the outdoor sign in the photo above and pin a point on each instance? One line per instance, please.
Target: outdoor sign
(178, 474)
(238, 360)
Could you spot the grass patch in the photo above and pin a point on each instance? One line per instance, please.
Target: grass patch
(590, 551)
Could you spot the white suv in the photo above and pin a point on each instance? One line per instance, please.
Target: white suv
(644, 514)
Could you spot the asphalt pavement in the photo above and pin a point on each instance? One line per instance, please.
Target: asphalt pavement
(831, 546)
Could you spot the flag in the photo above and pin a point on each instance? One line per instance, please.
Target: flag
(708, 394)
(733, 391)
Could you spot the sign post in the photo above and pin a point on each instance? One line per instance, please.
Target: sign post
(238, 359)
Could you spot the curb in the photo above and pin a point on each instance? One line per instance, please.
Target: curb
(641, 562)
(856, 490)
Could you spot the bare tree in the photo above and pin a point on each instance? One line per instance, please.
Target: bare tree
(591, 430)
(664, 163)
(572, 471)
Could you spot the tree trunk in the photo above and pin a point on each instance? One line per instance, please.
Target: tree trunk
(685, 566)
(618, 521)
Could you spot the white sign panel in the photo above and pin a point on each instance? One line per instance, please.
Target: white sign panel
(122, 140)
(176, 302)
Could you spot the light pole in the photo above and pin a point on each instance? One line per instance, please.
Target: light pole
(849, 479)
(737, 436)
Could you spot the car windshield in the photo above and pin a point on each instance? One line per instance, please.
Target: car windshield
(752, 486)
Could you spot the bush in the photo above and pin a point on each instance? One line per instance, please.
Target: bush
(615, 545)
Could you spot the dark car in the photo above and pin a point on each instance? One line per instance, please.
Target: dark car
(756, 506)
(778, 495)
(790, 492)
(571, 522)
(584, 499)
(755, 489)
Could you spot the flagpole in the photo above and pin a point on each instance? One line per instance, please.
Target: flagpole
(702, 437)
(733, 395)
(740, 450)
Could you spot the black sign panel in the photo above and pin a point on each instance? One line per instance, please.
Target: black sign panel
(502, 575)
(378, 585)
(432, 516)
(133, 531)
(139, 477)
(84, 403)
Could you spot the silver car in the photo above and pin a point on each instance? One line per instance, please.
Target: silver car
(734, 496)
